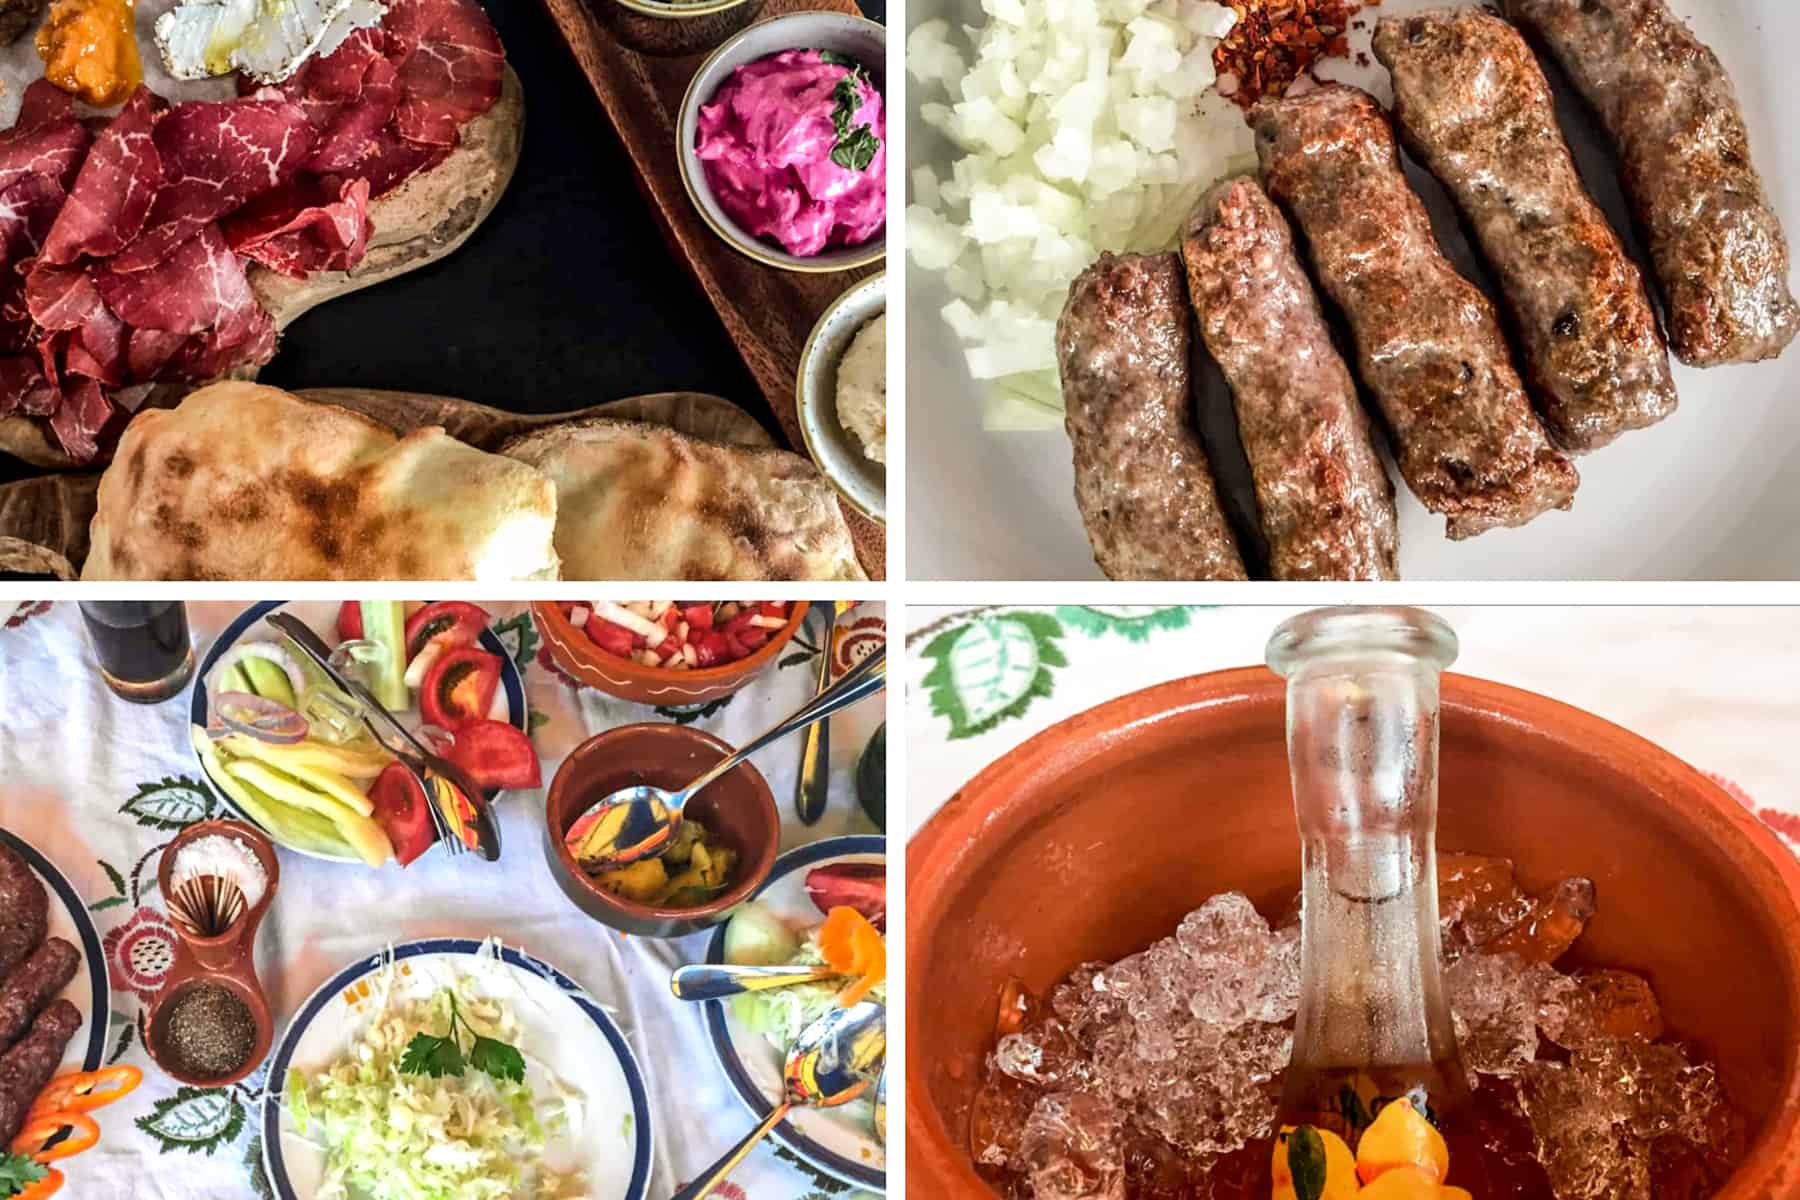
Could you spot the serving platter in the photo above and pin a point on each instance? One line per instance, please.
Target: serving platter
(767, 312)
(321, 617)
(564, 1032)
(1706, 494)
(837, 1141)
(91, 988)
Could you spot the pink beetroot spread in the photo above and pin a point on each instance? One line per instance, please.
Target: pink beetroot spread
(795, 149)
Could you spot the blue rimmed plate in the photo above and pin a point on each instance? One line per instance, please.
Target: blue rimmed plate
(321, 617)
(840, 1142)
(91, 989)
(562, 1030)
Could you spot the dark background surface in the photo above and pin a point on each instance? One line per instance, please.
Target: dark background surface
(567, 296)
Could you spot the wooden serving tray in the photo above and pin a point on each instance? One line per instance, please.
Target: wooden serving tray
(767, 312)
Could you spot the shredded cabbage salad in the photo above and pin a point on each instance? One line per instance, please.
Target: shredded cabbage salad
(779, 1015)
(1083, 126)
(391, 1135)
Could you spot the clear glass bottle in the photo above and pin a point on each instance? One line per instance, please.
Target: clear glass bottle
(1362, 727)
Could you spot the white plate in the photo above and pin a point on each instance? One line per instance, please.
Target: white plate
(321, 617)
(90, 990)
(838, 454)
(1707, 494)
(838, 1141)
(564, 1030)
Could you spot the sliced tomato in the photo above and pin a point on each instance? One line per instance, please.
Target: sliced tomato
(451, 622)
(614, 639)
(698, 616)
(858, 885)
(350, 626)
(496, 755)
(400, 811)
(460, 687)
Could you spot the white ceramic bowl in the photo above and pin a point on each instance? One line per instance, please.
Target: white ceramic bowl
(857, 37)
(839, 455)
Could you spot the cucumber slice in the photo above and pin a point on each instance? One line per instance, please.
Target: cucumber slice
(756, 937)
(233, 679)
(269, 680)
(384, 622)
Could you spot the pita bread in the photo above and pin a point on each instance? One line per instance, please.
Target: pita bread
(243, 481)
(639, 501)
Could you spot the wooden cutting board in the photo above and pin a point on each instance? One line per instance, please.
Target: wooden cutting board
(767, 312)
(424, 219)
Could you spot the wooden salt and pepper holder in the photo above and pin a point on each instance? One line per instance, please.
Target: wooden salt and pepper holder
(227, 960)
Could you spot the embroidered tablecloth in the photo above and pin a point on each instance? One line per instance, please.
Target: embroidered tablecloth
(100, 786)
(1715, 686)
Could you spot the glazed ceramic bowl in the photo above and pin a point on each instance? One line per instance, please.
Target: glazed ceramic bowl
(859, 479)
(670, 30)
(575, 653)
(858, 38)
(739, 808)
(1094, 838)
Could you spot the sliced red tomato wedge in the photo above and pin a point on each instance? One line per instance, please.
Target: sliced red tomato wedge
(858, 885)
(496, 755)
(349, 625)
(460, 687)
(449, 622)
(400, 811)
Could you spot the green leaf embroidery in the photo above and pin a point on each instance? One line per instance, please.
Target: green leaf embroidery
(194, 1121)
(793, 660)
(524, 635)
(992, 669)
(172, 803)
(118, 882)
(1306, 1159)
(123, 1044)
(536, 720)
(823, 1185)
(687, 715)
(253, 1165)
(1133, 622)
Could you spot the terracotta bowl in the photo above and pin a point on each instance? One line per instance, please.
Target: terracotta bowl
(1094, 838)
(228, 960)
(576, 653)
(739, 808)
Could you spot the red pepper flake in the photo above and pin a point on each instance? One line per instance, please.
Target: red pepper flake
(1276, 41)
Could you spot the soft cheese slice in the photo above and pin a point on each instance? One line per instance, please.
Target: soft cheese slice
(266, 39)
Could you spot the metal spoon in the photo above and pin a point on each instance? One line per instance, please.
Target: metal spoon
(880, 1119)
(830, 1064)
(715, 981)
(810, 788)
(635, 823)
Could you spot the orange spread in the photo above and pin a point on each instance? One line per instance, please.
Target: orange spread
(90, 50)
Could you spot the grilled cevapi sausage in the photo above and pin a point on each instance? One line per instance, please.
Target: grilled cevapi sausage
(1428, 344)
(1326, 502)
(29, 1064)
(1142, 478)
(1667, 103)
(32, 984)
(24, 910)
(1473, 106)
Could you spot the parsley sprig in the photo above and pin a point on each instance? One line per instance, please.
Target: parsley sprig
(18, 1173)
(439, 1057)
(856, 145)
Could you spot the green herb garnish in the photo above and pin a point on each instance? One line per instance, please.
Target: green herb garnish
(839, 60)
(18, 1173)
(439, 1057)
(856, 145)
(1306, 1160)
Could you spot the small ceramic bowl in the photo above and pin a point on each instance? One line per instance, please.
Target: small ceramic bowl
(228, 960)
(738, 808)
(670, 30)
(859, 479)
(575, 652)
(858, 38)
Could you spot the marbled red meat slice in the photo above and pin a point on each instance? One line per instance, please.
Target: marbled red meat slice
(80, 417)
(61, 297)
(247, 339)
(304, 228)
(199, 285)
(113, 193)
(451, 64)
(53, 149)
(98, 349)
(352, 134)
(148, 351)
(27, 213)
(215, 157)
(16, 326)
(42, 103)
(23, 388)
(394, 160)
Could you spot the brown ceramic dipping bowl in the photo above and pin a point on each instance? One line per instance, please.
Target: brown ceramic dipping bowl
(672, 29)
(1093, 839)
(576, 653)
(738, 808)
(228, 959)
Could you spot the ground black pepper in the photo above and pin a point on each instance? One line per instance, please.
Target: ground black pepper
(209, 1031)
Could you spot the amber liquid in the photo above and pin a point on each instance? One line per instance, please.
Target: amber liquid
(142, 646)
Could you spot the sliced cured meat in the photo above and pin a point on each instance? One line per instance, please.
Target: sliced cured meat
(197, 286)
(119, 179)
(28, 1066)
(451, 65)
(27, 212)
(395, 160)
(147, 351)
(42, 103)
(37, 980)
(23, 389)
(61, 297)
(24, 911)
(215, 157)
(352, 132)
(98, 348)
(246, 339)
(80, 417)
(303, 228)
(53, 149)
